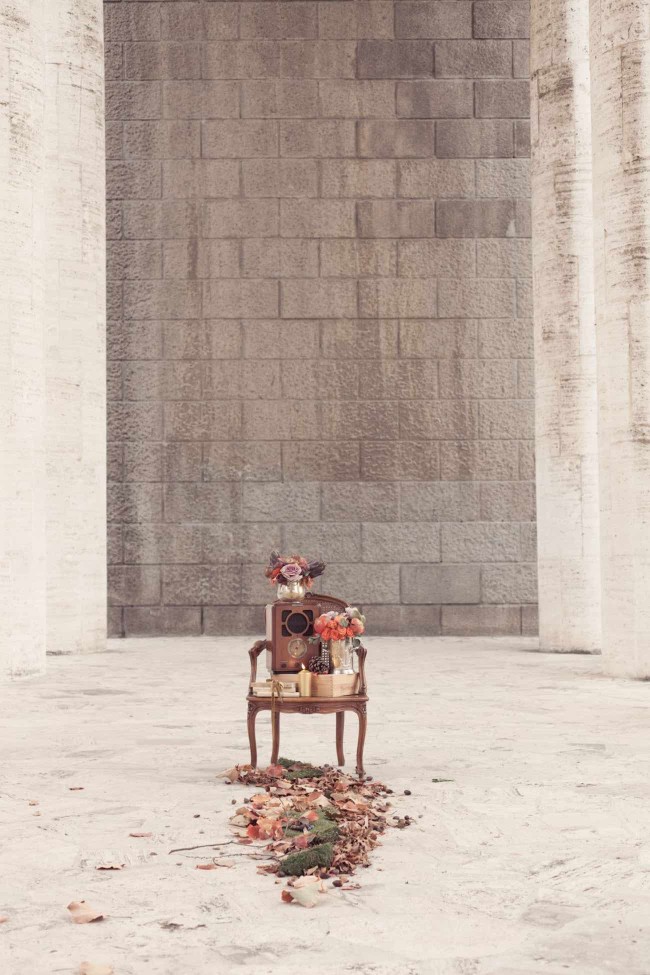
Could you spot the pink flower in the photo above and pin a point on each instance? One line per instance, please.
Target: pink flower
(291, 572)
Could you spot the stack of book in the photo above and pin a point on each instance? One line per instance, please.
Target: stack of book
(262, 688)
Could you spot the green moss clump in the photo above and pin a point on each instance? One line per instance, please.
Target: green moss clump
(324, 829)
(299, 770)
(296, 864)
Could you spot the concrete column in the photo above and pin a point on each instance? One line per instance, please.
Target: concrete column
(22, 368)
(75, 274)
(620, 70)
(565, 354)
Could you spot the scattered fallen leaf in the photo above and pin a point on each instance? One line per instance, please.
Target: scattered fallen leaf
(239, 821)
(309, 880)
(92, 968)
(82, 913)
(109, 866)
(75, 788)
(3, 918)
(305, 896)
(206, 866)
(311, 816)
(302, 842)
(140, 835)
(33, 802)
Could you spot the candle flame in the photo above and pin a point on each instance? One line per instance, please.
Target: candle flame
(302, 666)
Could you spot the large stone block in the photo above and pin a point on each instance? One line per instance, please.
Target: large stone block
(134, 421)
(399, 378)
(317, 218)
(317, 59)
(403, 542)
(441, 584)
(200, 99)
(201, 258)
(134, 340)
(158, 299)
(493, 297)
(175, 139)
(507, 419)
(480, 542)
(479, 460)
(144, 61)
(480, 378)
(240, 218)
(134, 259)
(505, 18)
(279, 99)
(503, 258)
(431, 258)
(356, 18)
(481, 620)
(279, 20)
(156, 544)
(435, 178)
(281, 502)
(394, 59)
(509, 583)
(211, 339)
(135, 502)
(240, 59)
(199, 21)
(357, 99)
(439, 502)
(132, 22)
(162, 621)
(233, 620)
(365, 584)
(442, 420)
(242, 461)
(280, 177)
(142, 461)
(476, 218)
(474, 138)
(435, 99)
(502, 99)
(433, 18)
(239, 299)
(277, 339)
(473, 59)
(237, 138)
(133, 100)
(309, 460)
(358, 258)
(202, 584)
(506, 338)
(263, 421)
(133, 180)
(222, 379)
(509, 501)
(228, 543)
(317, 137)
(503, 178)
(304, 298)
(396, 218)
(398, 298)
(375, 419)
(396, 460)
(438, 339)
(401, 137)
(197, 502)
(202, 421)
(358, 177)
(332, 541)
(165, 219)
(374, 339)
(360, 502)
(133, 585)
(182, 462)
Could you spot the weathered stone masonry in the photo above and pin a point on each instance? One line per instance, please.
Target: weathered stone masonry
(319, 306)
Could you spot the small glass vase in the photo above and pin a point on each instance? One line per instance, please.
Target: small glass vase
(341, 654)
(292, 591)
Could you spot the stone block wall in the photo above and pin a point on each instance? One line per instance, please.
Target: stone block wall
(319, 305)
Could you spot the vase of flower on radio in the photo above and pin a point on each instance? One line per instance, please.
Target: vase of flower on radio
(338, 633)
(293, 574)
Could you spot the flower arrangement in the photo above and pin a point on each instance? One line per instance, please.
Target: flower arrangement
(283, 569)
(338, 626)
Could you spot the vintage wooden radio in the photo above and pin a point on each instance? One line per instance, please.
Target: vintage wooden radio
(289, 625)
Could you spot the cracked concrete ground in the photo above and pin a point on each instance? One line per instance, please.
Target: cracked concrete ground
(535, 858)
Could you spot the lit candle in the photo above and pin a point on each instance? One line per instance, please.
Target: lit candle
(304, 682)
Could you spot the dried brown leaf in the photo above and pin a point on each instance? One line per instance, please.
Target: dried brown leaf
(82, 913)
(141, 835)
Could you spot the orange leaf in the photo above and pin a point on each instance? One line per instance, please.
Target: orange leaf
(253, 832)
(310, 816)
(92, 968)
(286, 897)
(82, 913)
(302, 842)
(3, 918)
(140, 835)
(206, 866)
(276, 771)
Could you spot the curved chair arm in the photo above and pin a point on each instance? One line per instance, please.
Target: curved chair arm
(361, 654)
(254, 653)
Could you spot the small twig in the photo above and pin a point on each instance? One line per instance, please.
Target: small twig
(202, 846)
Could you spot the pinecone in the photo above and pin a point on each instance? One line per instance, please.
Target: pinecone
(318, 666)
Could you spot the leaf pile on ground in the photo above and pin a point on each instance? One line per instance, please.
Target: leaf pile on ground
(316, 823)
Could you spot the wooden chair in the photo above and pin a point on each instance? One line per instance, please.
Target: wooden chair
(310, 705)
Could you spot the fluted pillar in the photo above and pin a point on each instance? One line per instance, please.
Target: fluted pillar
(565, 360)
(620, 71)
(75, 329)
(52, 358)
(22, 350)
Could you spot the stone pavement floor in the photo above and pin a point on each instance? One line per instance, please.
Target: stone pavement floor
(533, 860)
